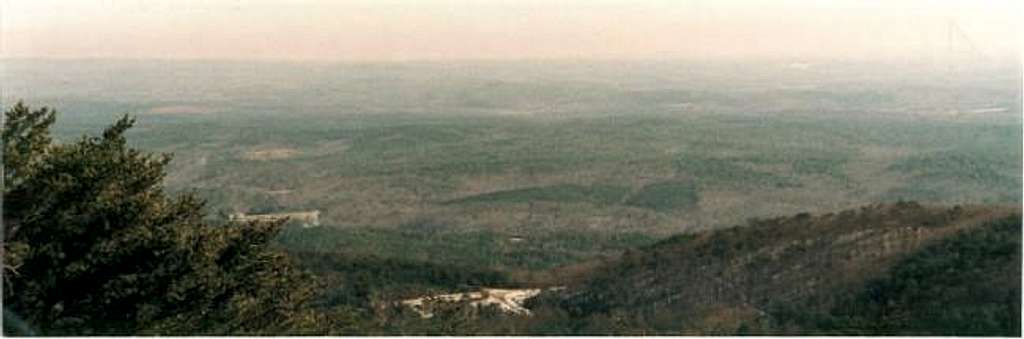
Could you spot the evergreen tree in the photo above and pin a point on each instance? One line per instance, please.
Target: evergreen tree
(94, 246)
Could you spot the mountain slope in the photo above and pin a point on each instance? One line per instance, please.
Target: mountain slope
(811, 274)
(968, 285)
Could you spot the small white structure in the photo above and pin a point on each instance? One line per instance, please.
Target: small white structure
(308, 218)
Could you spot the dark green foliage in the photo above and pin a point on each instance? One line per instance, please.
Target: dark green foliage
(466, 249)
(665, 196)
(661, 196)
(958, 166)
(832, 167)
(597, 194)
(94, 246)
(676, 239)
(26, 137)
(731, 172)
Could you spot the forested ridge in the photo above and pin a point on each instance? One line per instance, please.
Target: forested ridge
(902, 269)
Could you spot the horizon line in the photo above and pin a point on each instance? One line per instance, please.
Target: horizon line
(1015, 59)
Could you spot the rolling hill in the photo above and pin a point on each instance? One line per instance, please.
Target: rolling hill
(883, 269)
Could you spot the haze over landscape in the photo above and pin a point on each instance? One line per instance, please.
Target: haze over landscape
(362, 30)
(533, 167)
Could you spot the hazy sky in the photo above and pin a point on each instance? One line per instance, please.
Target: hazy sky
(522, 29)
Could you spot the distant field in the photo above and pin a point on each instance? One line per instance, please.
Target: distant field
(589, 158)
(490, 169)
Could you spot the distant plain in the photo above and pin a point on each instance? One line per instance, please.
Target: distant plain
(532, 165)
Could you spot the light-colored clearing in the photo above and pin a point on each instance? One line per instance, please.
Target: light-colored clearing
(266, 154)
(507, 300)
